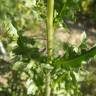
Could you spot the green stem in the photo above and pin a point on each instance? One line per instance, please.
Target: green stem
(50, 9)
(48, 81)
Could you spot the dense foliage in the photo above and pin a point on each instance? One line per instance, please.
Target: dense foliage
(25, 41)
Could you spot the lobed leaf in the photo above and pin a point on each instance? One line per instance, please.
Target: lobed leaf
(76, 61)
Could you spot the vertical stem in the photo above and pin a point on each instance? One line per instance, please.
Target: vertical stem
(50, 9)
(48, 81)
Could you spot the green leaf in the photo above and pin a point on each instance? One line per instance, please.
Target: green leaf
(24, 41)
(31, 87)
(75, 61)
(47, 66)
(9, 29)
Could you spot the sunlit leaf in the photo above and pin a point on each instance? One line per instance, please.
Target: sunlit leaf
(83, 37)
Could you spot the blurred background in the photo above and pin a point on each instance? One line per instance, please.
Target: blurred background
(23, 24)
